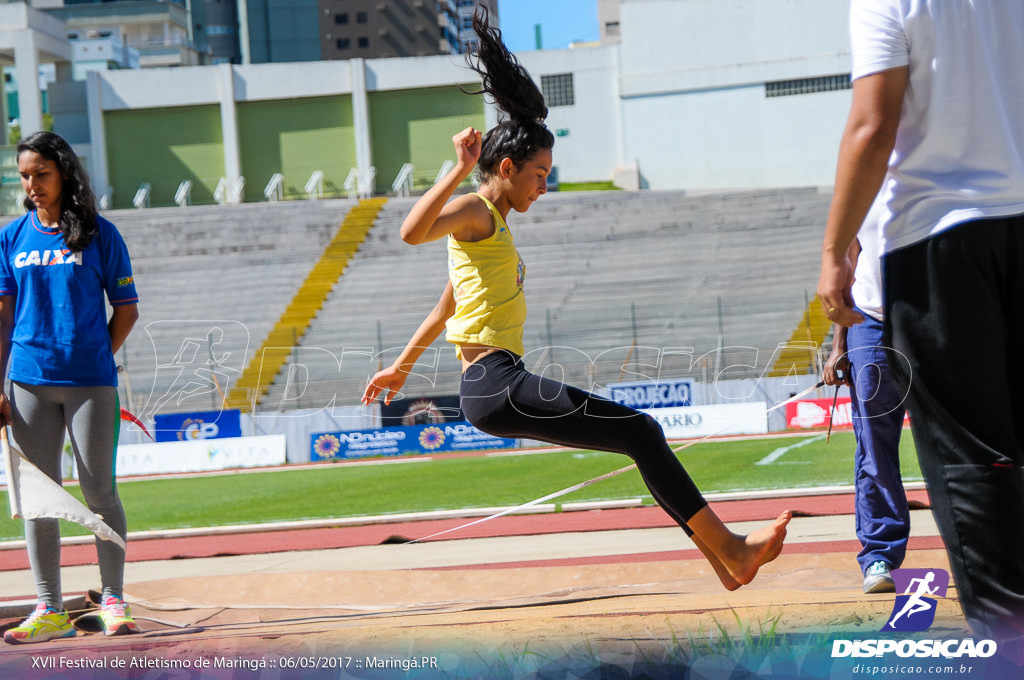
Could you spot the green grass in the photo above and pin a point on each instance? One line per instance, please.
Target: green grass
(451, 483)
(587, 186)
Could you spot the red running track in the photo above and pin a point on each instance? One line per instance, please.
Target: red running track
(250, 543)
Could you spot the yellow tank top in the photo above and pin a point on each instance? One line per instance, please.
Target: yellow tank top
(487, 277)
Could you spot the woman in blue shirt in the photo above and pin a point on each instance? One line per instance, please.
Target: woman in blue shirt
(57, 264)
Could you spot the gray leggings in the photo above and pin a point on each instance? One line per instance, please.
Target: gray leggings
(91, 416)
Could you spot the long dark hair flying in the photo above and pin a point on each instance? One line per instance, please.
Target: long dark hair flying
(77, 201)
(520, 132)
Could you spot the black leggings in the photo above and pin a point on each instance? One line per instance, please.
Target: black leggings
(500, 397)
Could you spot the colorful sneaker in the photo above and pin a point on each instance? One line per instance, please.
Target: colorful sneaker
(877, 579)
(116, 616)
(42, 624)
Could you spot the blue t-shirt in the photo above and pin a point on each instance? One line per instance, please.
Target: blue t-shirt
(60, 334)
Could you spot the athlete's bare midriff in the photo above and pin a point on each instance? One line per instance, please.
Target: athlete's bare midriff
(473, 353)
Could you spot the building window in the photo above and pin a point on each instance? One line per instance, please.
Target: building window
(343, 43)
(558, 90)
(788, 88)
(361, 17)
(341, 19)
(364, 42)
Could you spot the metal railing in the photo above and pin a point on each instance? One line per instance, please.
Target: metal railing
(274, 191)
(107, 198)
(229, 193)
(351, 183)
(366, 180)
(315, 185)
(402, 186)
(237, 192)
(220, 194)
(184, 194)
(360, 184)
(446, 167)
(141, 199)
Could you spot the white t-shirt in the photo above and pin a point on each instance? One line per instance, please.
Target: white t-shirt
(867, 279)
(959, 152)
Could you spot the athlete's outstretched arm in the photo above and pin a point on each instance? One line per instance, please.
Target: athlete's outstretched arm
(391, 379)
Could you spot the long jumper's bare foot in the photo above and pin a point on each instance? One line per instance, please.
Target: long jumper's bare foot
(720, 570)
(755, 549)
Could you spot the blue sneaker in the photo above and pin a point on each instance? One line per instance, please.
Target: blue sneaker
(877, 579)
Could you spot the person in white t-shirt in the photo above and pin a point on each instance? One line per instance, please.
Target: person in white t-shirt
(859, 360)
(938, 104)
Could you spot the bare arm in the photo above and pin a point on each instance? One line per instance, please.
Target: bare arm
(121, 323)
(864, 151)
(433, 217)
(6, 328)
(391, 379)
(837, 366)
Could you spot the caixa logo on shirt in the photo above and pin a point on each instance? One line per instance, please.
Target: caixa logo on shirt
(35, 258)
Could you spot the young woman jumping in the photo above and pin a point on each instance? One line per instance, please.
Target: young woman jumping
(483, 309)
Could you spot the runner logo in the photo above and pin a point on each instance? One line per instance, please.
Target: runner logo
(914, 610)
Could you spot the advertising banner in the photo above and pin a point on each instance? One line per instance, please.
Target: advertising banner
(702, 421)
(399, 441)
(809, 413)
(421, 411)
(646, 395)
(201, 455)
(183, 427)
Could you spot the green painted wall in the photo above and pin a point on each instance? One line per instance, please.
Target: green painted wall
(296, 137)
(416, 126)
(164, 147)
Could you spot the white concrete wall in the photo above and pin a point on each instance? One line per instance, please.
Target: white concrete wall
(404, 74)
(70, 114)
(32, 38)
(677, 45)
(286, 80)
(149, 88)
(695, 115)
(735, 138)
(591, 149)
(158, 87)
(682, 96)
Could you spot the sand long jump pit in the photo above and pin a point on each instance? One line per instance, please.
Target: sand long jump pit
(615, 615)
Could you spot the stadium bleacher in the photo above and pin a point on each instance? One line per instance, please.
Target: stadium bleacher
(684, 270)
(212, 281)
(690, 267)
